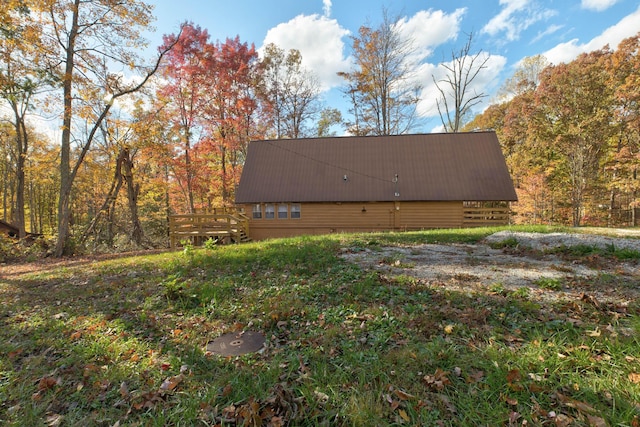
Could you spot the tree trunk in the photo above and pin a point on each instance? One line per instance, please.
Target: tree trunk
(133, 190)
(21, 154)
(64, 212)
(112, 195)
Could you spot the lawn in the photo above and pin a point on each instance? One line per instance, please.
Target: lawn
(122, 341)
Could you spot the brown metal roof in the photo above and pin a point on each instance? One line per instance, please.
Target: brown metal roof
(432, 167)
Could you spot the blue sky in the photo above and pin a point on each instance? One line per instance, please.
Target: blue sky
(505, 30)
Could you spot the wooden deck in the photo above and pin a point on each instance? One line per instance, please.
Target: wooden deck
(479, 217)
(225, 225)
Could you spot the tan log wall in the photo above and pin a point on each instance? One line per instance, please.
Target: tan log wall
(324, 218)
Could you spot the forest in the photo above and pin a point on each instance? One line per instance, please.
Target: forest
(137, 140)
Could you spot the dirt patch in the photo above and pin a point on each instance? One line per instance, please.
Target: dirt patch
(527, 262)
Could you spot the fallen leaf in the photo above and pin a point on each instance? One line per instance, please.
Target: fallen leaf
(403, 395)
(634, 377)
(511, 401)
(513, 376)
(562, 420)
(595, 333)
(47, 383)
(226, 391)
(124, 390)
(596, 421)
(403, 415)
(54, 420)
(475, 377)
(171, 383)
(576, 404)
(89, 369)
(14, 354)
(438, 380)
(321, 397)
(535, 377)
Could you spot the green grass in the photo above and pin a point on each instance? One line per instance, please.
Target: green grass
(124, 341)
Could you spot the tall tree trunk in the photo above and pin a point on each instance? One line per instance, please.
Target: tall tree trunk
(133, 190)
(5, 190)
(66, 181)
(190, 174)
(21, 157)
(223, 165)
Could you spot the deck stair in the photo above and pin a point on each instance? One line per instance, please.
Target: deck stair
(225, 225)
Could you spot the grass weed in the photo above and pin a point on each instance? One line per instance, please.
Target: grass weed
(122, 341)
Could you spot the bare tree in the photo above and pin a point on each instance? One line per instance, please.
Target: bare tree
(457, 97)
(381, 89)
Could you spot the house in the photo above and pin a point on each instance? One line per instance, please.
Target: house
(8, 230)
(402, 182)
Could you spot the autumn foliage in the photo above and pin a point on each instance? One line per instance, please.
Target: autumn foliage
(136, 143)
(571, 138)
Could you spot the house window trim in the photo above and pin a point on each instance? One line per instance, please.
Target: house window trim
(293, 213)
(280, 211)
(256, 213)
(267, 211)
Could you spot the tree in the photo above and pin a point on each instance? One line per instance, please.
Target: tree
(456, 95)
(526, 78)
(7, 166)
(380, 88)
(328, 118)
(228, 110)
(624, 162)
(90, 36)
(118, 139)
(20, 79)
(183, 98)
(290, 92)
(574, 105)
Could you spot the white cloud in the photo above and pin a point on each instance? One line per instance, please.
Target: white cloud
(484, 83)
(548, 31)
(430, 28)
(597, 5)
(326, 8)
(612, 36)
(515, 17)
(319, 40)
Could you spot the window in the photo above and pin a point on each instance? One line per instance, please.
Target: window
(257, 211)
(295, 210)
(269, 211)
(282, 211)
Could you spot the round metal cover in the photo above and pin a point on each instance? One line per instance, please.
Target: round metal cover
(236, 343)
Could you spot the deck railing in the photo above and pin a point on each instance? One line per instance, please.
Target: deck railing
(224, 225)
(478, 217)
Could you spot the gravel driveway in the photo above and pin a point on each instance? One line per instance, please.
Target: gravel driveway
(529, 264)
